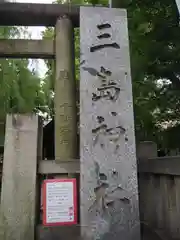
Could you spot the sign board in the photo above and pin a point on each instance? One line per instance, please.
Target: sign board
(59, 202)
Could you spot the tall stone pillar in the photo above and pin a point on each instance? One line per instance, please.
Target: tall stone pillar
(22, 150)
(65, 93)
(109, 192)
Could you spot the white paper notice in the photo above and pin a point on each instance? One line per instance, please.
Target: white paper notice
(59, 202)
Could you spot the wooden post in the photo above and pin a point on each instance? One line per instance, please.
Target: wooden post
(65, 93)
(146, 149)
(18, 196)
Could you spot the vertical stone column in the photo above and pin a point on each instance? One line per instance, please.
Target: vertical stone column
(65, 93)
(109, 192)
(18, 196)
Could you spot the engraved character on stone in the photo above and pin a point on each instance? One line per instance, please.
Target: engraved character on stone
(112, 133)
(102, 36)
(109, 89)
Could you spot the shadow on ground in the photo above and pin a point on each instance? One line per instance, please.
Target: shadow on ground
(73, 232)
(149, 234)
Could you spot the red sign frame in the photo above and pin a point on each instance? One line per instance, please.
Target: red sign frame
(45, 182)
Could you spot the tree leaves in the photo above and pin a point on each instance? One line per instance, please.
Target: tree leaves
(154, 35)
(20, 89)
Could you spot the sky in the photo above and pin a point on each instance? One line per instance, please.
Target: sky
(36, 34)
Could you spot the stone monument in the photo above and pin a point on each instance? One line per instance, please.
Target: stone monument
(109, 192)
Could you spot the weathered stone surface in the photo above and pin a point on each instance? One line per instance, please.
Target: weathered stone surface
(58, 232)
(36, 14)
(65, 93)
(18, 195)
(109, 194)
(23, 48)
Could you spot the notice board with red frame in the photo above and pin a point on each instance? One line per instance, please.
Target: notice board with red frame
(59, 202)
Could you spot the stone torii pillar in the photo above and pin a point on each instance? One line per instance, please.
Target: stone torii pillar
(65, 93)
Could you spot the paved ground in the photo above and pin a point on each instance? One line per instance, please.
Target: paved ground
(45, 233)
(148, 234)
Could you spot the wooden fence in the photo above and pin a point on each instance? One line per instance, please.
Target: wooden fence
(159, 191)
(159, 184)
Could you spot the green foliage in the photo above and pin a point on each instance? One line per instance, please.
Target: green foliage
(20, 89)
(154, 35)
(155, 57)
